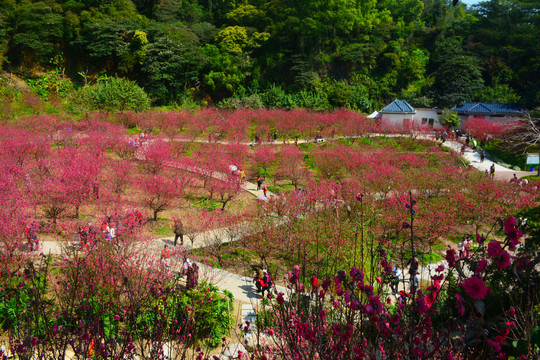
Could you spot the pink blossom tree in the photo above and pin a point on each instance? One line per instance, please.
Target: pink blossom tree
(156, 156)
(291, 165)
(264, 157)
(158, 192)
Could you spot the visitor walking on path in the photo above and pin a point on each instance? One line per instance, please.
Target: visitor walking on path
(266, 283)
(178, 232)
(482, 156)
(492, 171)
(242, 177)
(258, 279)
(259, 183)
(165, 255)
(265, 189)
(192, 276)
(314, 284)
(395, 279)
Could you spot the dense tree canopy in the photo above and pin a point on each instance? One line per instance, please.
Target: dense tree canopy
(319, 54)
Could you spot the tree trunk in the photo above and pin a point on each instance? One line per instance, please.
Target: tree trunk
(224, 204)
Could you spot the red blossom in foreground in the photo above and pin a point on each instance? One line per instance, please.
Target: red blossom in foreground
(494, 248)
(480, 266)
(475, 287)
(480, 239)
(451, 256)
(504, 260)
(495, 345)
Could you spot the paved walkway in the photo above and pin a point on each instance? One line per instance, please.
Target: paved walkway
(501, 173)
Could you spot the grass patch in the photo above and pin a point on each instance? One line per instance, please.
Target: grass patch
(456, 239)
(345, 141)
(496, 151)
(306, 146)
(413, 145)
(366, 141)
(133, 131)
(532, 177)
(309, 162)
(425, 258)
(281, 189)
(429, 258)
(236, 255)
(202, 202)
(445, 148)
(161, 227)
(439, 246)
(385, 142)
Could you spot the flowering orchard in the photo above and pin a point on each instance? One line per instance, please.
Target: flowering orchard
(325, 227)
(483, 305)
(100, 185)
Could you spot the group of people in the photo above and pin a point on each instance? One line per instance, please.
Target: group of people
(396, 277)
(30, 231)
(189, 268)
(464, 247)
(515, 180)
(263, 280)
(143, 139)
(271, 137)
(260, 185)
(111, 228)
(109, 231)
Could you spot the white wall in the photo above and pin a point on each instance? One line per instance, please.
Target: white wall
(501, 118)
(427, 114)
(396, 120)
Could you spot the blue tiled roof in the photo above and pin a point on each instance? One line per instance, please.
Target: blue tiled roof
(489, 108)
(398, 107)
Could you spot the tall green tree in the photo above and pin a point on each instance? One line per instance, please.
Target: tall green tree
(509, 31)
(458, 79)
(37, 33)
(169, 68)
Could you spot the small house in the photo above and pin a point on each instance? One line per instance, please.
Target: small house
(399, 114)
(489, 111)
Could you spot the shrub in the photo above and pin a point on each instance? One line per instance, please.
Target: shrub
(112, 94)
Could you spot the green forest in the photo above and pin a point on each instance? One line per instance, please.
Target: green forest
(357, 54)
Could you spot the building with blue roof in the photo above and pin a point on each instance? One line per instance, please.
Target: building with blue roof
(400, 114)
(489, 111)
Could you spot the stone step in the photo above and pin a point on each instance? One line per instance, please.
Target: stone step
(249, 312)
(232, 351)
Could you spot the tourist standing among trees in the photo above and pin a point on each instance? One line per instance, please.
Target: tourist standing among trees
(242, 177)
(178, 232)
(192, 276)
(266, 283)
(258, 278)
